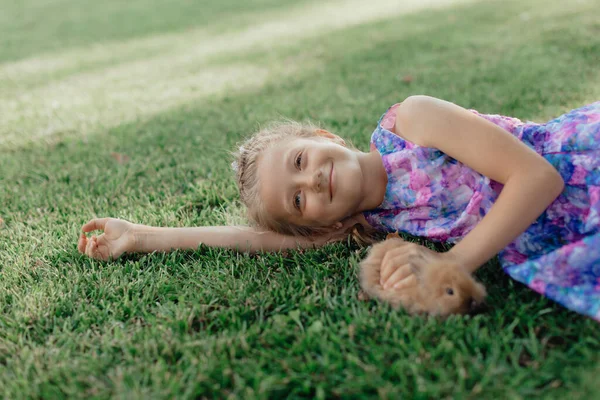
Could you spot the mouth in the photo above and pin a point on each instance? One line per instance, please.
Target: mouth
(331, 183)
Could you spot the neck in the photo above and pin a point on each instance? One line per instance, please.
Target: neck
(374, 180)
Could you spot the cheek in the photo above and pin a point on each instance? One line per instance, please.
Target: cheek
(349, 179)
(316, 212)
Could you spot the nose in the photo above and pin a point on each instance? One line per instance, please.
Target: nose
(314, 181)
(476, 307)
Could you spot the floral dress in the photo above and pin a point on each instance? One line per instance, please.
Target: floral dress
(432, 195)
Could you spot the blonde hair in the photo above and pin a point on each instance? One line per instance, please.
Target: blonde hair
(246, 166)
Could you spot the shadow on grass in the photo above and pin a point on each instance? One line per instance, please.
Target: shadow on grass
(245, 311)
(32, 27)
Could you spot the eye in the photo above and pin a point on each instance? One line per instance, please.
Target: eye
(297, 201)
(298, 161)
(449, 291)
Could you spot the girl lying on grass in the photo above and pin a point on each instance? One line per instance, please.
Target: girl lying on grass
(489, 183)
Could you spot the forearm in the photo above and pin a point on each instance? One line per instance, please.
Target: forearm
(241, 238)
(522, 200)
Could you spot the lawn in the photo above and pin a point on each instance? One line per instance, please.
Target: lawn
(130, 109)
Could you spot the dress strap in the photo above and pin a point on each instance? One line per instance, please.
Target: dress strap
(388, 119)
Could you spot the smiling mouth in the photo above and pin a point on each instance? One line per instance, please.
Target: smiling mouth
(331, 184)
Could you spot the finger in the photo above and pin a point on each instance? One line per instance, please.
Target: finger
(82, 243)
(95, 224)
(397, 276)
(102, 247)
(391, 260)
(410, 280)
(90, 247)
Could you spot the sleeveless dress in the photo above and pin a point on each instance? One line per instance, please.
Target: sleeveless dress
(432, 195)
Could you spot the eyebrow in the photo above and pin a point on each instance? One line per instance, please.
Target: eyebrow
(286, 204)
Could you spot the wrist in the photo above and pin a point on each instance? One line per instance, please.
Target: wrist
(455, 256)
(148, 239)
(139, 234)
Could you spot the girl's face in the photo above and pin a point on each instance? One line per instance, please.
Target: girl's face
(311, 181)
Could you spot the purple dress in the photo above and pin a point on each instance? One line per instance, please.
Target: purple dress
(432, 195)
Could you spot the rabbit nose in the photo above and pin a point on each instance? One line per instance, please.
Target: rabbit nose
(476, 307)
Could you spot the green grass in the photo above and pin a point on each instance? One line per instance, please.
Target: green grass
(213, 323)
(32, 27)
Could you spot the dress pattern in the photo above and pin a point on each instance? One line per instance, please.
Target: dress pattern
(432, 195)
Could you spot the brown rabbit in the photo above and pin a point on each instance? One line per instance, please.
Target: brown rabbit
(441, 288)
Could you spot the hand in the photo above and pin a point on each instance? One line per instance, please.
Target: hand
(398, 264)
(118, 238)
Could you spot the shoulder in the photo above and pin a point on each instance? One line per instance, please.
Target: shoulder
(467, 137)
(421, 117)
(411, 113)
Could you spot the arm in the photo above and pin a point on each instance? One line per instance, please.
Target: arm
(121, 236)
(530, 182)
(242, 238)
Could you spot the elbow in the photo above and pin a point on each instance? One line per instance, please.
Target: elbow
(560, 184)
(558, 179)
(556, 183)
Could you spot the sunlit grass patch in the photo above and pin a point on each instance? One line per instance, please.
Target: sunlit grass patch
(146, 137)
(170, 71)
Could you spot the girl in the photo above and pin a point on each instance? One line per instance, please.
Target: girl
(490, 184)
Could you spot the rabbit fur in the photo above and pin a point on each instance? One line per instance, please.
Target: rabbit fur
(441, 288)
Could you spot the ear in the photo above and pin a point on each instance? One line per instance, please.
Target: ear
(326, 134)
